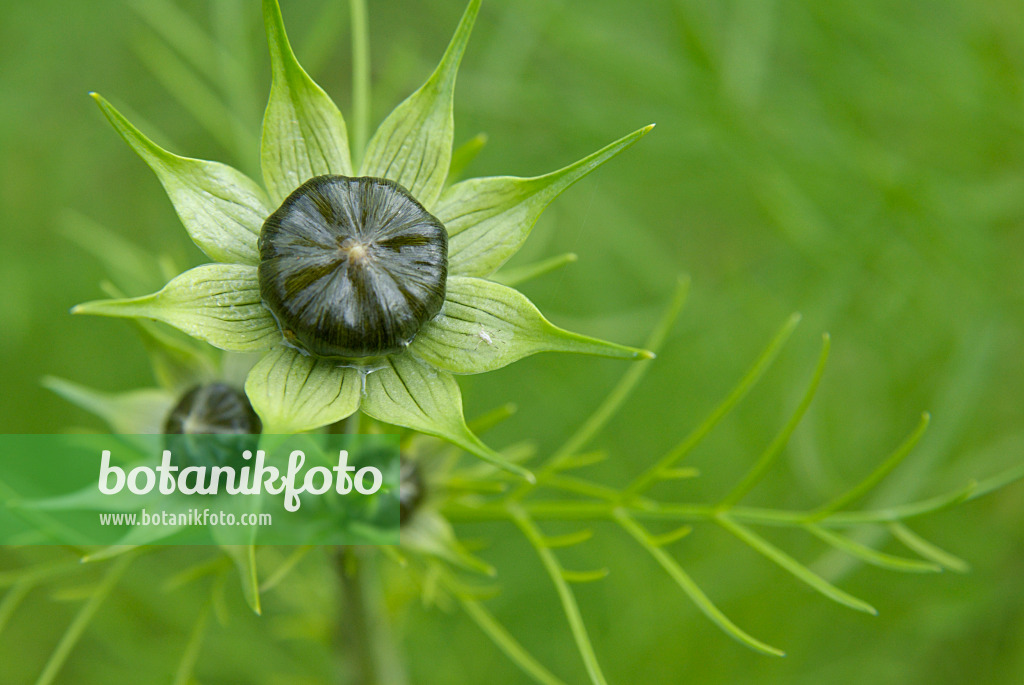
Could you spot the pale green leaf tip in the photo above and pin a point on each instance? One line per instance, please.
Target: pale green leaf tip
(101, 101)
(646, 354)
(93, 307)
(648, 128)
(108, 552)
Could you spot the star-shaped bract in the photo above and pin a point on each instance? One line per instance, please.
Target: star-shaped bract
(482, 325)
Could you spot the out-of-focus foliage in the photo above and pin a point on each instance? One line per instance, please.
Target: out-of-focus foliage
(861, 162)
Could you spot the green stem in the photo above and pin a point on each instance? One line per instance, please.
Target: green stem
(74, 631)
(575, 509)
(360, 80)
(367, 653)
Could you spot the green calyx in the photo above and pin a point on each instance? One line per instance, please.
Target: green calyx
(374, 311)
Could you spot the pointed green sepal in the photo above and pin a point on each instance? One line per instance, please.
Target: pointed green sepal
(222, 209)
(407, 392)
(485, 326)
(293, 392)
(413, 145)
(304, 133)
(489, 219)
(218, 303)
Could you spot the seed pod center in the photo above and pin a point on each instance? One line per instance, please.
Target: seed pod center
(352, 267)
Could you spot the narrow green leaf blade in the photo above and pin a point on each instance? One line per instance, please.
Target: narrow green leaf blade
(190, 654)
(19, 590)
(413, 145)
(484, 326)
(653, 473)
(222, 209)
(304, 133)
(489, 219)
(794, 567)
(137, 412)
(876, 476)
(900, 512)
(203, 102)
(998, 481)
(463, 156)
(569, 605)
(569, 539)
(926, 549)
(244, 557)
(688, 586)
(666, 539)
(406, 392)
(504, 640)
(81, 621)
(870, 555)
(293, 392)
(771, 453)
(585, 576)
(131, 268)
(528, 272)
(218, 303)
(286, 567)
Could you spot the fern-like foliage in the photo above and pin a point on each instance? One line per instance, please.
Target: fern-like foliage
(210, 73)
(562, 495)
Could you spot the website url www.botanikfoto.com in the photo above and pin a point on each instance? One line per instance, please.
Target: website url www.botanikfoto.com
(192, 517)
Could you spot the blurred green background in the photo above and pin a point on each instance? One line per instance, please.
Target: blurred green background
(861, 162)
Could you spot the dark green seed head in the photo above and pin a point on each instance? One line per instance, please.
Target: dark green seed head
(352, 267)
(223, 416)
(216, 408)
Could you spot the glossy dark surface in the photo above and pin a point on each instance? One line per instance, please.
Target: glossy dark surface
(216, 409)
(213, 408)
(352, 267)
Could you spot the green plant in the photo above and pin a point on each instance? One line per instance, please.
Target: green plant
(435, 562)
(298, 385)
